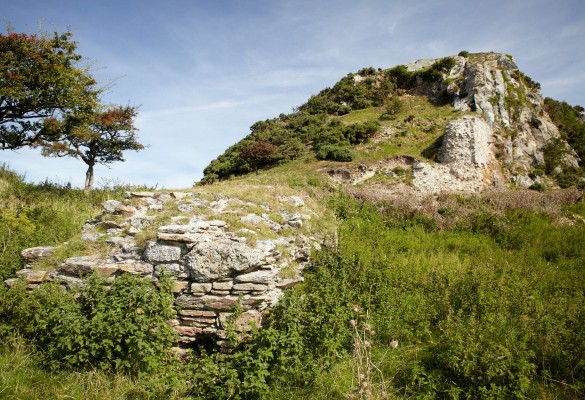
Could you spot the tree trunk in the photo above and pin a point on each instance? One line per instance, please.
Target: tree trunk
(89, 179)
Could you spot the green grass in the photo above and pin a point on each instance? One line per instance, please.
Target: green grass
(21, 378)
(482, 296)
(417, 129)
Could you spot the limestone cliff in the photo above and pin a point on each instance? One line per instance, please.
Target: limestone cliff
(508, 146)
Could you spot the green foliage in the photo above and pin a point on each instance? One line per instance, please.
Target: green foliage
(405, 79)
(537, 186)
(40, 77)
(529, 82)
(288, 138)
(571, 123)
(122, 328)
(306, 334)
(335, 153)
(258, 154)
(463, 53)
(94, 137)
(394, 106)
(45, 214)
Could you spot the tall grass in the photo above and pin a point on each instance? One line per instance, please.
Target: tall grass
(464, 297)
(44, 214)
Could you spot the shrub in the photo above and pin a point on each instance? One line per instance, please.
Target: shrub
(463, 53)
(539, 187)
(122, 328)
(335, 153)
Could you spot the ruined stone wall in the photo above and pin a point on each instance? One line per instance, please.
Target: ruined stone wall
(218, 254)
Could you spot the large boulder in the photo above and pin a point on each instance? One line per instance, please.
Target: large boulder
(209, 261)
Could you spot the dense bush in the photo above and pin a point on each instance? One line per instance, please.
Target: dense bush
(571, 123)
(121, 328)
(335, 153)
(405, 79)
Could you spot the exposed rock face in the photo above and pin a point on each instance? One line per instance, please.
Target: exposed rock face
(212, 268)
(468, 162)
(490, 85)
(466, 142)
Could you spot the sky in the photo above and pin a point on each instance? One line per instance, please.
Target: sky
(203, 71)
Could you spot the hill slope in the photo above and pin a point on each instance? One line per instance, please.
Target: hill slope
(477, 115)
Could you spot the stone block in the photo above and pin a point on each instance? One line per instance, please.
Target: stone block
(159, 253)
(37, 253)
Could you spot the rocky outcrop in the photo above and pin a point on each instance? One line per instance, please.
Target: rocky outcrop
(218, 255)
(467, 160)
(491, 86)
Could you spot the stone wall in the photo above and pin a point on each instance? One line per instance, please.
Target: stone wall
(217, 253)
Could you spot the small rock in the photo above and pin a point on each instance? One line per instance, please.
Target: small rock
(249, 287)
(262, 277)
(197, 313)
(79, 265)
(200, 288)
(136, 268)
(191, 331)
(179, 286)
(10, 282)
(294, 200)
(289, 283)
(226, 286)
(110, 206)
(33, 276)
(91, 237)
(140, 194)
(178, 237)
(181, 195)
(37, 253)
(252, 219)
(217, 222)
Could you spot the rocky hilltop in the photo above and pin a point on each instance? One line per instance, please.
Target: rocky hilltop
(503, 142)
(462, 123)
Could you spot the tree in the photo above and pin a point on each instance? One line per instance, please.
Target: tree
(40, 79)
(96, 138)
(257, 153)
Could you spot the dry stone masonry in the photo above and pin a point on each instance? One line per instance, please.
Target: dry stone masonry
(218, 254)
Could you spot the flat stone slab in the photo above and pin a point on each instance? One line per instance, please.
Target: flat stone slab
(37, 253)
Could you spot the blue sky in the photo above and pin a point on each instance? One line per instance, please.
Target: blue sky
(203, 71)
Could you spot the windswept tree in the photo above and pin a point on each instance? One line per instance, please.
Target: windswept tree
(258, 153)
(96, 138)
(40, 79)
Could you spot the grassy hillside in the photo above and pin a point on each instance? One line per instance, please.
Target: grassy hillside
(421, 297)
(331, 123)
(374, 114)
